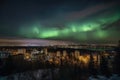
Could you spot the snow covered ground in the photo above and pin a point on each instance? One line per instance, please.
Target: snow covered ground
(99, 77)
(48, 74)
(44, 74)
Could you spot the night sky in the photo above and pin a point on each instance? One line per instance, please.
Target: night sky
(73, 20)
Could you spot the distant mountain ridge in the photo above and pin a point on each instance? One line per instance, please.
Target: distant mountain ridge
(42, 42)
(31, 42)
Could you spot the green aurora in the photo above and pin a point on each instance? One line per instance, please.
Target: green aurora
(68, 20)
(81, 31)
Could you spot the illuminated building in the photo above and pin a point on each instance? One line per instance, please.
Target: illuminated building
(64, 53)
(77, 53)
(58, 54)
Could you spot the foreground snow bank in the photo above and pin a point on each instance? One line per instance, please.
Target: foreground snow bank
(99, 77)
